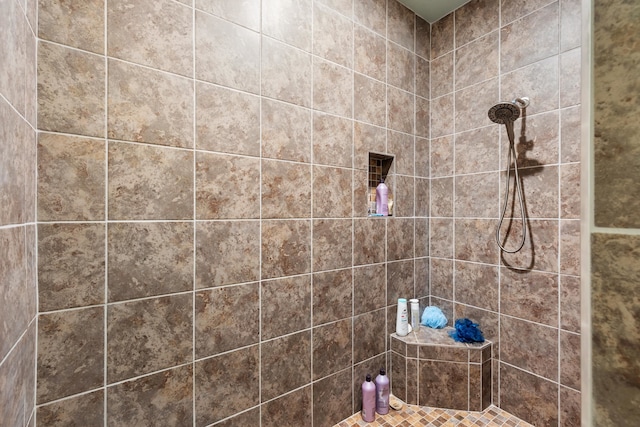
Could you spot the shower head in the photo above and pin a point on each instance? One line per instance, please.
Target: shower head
(504, 112)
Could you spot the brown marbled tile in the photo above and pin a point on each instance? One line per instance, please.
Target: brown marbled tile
(570, 24)
(31, 271)
(17, 380)
(81, 410)
(332, 194)
(332, 348)
(30, 70)
(422, 117)
(370, 98)
(360, 371)
(76, 25)
(294, 409)
(286, 248)
(226, 319)
(400, 238)
(71, 95)
(281, 375)
(149, 106)
(285, 306)
(286, 73)
(475, 240)
(240, 177)
(476, 19)
(400, 281)
(486, 384)
(442, 197)
(423, 78)
(332, 36)
(529, 346)
(442, 75)
(570, 134)
(372, 14)
(149, 259)
(442, 151)
(570, 83)
(421, 280)
(71, 265)
(529, 397)
(398, 376)
(422, 203)
(477, 285)
(286, 189)
(477, 150)
(467, 115)
(475, 387)
(539, 81)
(570, 303)
(433, 375)
(404, 197)
(227, 252)
(18, 163)
(441, 238)
(147, 182)
(401, 145)
(332, 140)
(246, 13)
(286, 131)
(529, 39)
(366, 139)
(570, 359)
(400, 67)
(344, 7)
(476, 195)
(441, 278)
(332, 296)
(477, 61)
(361, 203)
(157, 34)
(369, 53)
(423, 38)
(441, 125)
(516, 9)
(369, 285)
(570, 407)
(444, 353)
(226, 53)
(540, 251)
(247, 418)
(288, 21)
(331, 244)
(71, 178)
(570, 191)
(570, 247)
(231, 377)
(540, 187)
(147, 335)
(401, 24)
(14, 318)
(413, 386)
(227, 121)
(332, 88)
(400, 113)
(529, 295)
(70, 353)
(442, 36)
(166, 396)
(333, 394)
(369, 335)
(13, 51)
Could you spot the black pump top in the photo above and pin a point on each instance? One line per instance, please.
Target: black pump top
(383, 372)
(368, 378)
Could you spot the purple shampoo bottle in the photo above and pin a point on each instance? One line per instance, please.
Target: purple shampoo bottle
(382, 393)
(382, 199)
(368, 400)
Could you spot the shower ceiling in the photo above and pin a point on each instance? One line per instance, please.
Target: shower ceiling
(432, 10)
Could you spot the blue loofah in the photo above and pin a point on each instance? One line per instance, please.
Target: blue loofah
(466, 331)
(433, 317)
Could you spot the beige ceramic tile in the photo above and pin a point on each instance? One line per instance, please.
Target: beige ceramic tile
(286, 73)
(369, 53)
(286, 131)
(288, 21)
(332, 88)
(286, 189)
(369, 100)
(332, 36)
(245, 13)
(78, 25)
(401, 24)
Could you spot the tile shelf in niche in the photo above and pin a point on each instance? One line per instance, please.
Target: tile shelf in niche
(379, 168)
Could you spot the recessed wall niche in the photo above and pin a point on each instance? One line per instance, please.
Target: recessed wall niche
(380, 167)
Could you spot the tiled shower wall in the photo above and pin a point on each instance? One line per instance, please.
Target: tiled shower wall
(615, 242)
(204, 250)
(529, 302)
(17, 212)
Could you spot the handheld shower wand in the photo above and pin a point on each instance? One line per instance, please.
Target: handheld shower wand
(505, 114)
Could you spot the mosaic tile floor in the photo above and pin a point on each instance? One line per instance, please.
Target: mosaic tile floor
(412, 415)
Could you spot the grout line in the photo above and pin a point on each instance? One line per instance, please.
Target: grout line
(194, 256)
(105, 134)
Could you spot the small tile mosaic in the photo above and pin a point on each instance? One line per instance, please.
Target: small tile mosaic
(412, 415)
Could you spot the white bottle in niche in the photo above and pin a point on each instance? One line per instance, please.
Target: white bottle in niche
(402, 321)
(415, 314)
(382, 199)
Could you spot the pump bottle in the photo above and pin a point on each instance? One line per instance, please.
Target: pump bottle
(368, 400)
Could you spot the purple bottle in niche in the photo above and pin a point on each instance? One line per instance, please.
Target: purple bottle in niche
(382, 393)
(382, 199)
(368, 400)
